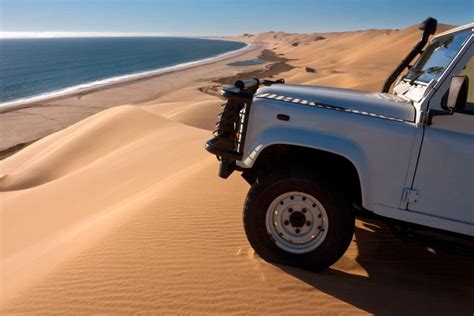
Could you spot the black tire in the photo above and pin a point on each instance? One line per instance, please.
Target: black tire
(341, 219)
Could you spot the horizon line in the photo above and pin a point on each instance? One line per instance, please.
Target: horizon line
(67, 34)
(59, 34)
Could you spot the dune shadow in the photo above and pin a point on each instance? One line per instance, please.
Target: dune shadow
(401, 278)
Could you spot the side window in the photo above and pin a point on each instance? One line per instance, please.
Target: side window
(468, 71)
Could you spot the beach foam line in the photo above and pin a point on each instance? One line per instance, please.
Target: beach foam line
(86, 87)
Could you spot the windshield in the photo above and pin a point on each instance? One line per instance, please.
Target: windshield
(437, 57)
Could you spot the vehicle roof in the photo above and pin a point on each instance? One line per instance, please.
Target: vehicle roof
(456, 29)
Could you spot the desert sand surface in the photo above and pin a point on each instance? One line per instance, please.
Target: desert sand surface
(123, 212)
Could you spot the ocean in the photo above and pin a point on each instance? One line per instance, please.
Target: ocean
(37, 67)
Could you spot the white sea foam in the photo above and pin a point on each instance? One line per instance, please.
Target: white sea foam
(118, 79)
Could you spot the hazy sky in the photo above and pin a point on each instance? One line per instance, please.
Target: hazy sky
(218, 17)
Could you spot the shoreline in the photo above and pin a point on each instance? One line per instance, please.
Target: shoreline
(92, 86)
(271, 65)
(25, 122)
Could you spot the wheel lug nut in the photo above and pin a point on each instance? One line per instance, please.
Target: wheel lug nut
(292, 197)
(297, 230)
(287, 222)
(319, 216)
(303, 210)
(314, 204)
(308, 223)
(319, 227)
(290, 210)
(304, 199)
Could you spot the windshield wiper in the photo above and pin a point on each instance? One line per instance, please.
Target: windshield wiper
(430, 70)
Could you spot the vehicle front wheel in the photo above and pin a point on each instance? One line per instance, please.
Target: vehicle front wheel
(296, 219)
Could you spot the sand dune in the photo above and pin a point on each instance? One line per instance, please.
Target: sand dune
(123, 212)
(166, 237)
(67, 179)
(359, 60)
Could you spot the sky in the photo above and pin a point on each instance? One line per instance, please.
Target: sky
(219, 17)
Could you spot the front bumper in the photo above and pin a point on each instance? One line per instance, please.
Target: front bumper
(227, 157)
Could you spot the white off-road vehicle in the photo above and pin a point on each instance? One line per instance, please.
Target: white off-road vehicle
(317, 156)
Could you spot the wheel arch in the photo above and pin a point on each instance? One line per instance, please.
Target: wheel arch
(279, 147)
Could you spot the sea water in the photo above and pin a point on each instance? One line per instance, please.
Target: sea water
(47, 66)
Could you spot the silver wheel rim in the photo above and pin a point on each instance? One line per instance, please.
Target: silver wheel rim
(296, 222)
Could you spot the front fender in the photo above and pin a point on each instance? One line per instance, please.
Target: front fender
(315, 140)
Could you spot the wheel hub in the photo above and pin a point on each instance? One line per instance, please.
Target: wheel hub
(296, 222)
(297, 219)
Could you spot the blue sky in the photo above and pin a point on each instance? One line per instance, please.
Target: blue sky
(220, 17)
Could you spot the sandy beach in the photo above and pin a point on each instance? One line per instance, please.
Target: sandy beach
(115, 207)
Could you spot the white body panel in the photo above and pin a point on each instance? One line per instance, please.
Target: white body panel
(356, 137)
(358, 101)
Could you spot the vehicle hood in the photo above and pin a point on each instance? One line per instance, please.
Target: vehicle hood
(380, 105)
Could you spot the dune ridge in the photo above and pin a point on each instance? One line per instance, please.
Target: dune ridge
(123, 211)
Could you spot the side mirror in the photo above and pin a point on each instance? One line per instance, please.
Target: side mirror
(457, 96)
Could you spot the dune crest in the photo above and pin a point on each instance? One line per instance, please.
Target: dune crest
(78, 146)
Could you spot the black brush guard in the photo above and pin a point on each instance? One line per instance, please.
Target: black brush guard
(229, 138)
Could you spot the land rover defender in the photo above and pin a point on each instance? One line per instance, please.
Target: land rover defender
(316, 156)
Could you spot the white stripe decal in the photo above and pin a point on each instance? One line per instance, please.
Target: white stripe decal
(323, 106)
